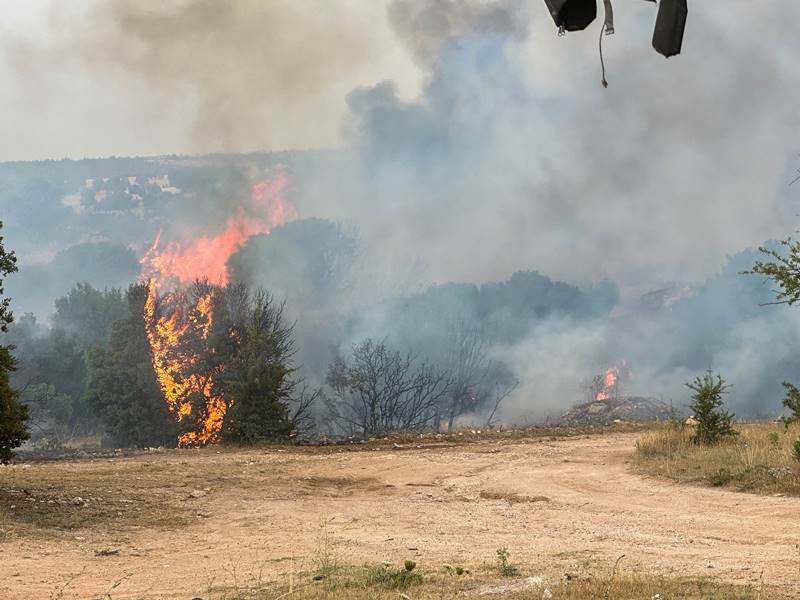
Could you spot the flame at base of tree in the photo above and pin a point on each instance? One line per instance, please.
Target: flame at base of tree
(164, 334)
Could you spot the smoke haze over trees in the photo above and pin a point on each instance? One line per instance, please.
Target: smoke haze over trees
(504, 198)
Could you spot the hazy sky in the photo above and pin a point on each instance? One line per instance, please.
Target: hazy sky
(83, 78)
(102, 77)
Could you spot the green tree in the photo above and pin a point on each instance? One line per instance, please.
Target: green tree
(258, 381)
(782, 267)
(236, 351)
(123, 391)
(713, 421)
(51, 374)
(792, 402)
(8, 265)
(13, 414)
(87, 314)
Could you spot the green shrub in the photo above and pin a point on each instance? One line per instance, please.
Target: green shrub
(796, 450)
(774, 438)
(720, 477)
(713, 422)
(397, 579)
(450, 569)
(506, 569)
(792, 402)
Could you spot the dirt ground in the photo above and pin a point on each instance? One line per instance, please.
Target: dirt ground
(175, 524)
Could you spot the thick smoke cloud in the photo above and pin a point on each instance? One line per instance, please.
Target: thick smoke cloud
(427, 27)
(501, 163)
(514, 157)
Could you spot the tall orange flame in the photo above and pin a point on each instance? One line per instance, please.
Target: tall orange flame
(204, 258)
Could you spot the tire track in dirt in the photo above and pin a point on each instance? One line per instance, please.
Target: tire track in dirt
(434, 505)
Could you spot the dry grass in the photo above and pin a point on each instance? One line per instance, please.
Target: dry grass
(151, 491)
(758, 460)
(51, 498)
(370, 583)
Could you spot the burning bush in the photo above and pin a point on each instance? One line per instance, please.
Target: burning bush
(223, 359)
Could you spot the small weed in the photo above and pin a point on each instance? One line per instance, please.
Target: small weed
(325, 561)
(455, 570)
(774, 438)
(387, 576)
(506, 568)
(720, 477)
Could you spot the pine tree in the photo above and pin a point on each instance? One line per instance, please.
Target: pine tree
(713, 422)
(792, 402)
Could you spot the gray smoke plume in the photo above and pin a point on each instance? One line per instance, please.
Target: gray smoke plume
(514, 157)
(503, 163)
(196, 75)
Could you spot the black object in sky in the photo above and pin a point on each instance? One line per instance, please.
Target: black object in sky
(670, 25)
(572, 15)
(576, 15)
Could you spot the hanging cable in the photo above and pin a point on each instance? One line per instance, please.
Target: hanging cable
(606, 29)
(602, 63)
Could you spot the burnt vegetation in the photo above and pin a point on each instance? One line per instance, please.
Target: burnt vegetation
(375, 390)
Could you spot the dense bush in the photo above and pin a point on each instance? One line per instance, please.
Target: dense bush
(123, 391)
(258, 381)
(713, 422)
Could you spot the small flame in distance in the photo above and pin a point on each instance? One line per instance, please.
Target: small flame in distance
(609, 384)
(177, 264)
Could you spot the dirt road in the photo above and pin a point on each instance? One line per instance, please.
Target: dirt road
(557, 504)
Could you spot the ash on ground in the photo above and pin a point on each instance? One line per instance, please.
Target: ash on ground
(631, 409)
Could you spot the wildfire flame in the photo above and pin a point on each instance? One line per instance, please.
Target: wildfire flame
(609, 383)
(204, 258)
(207, 257)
